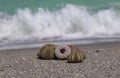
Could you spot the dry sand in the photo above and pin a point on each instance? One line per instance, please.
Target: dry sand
(104, 63)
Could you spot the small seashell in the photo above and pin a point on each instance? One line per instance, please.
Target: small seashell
(47, 52)
(76, 55)
(62, 52)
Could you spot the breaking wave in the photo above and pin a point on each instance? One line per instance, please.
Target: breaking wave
(69, 22)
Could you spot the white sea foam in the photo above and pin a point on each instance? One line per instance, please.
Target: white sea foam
(69, 22)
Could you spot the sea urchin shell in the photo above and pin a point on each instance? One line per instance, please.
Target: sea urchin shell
(62, 52)
(47, 52)
(76, 55)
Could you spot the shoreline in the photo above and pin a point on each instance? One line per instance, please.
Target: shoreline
(37, 43)
(34, 50)
(115, 43)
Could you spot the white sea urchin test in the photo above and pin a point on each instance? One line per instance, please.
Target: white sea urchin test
(62, 51)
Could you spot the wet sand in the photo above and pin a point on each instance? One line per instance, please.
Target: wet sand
(103, 61)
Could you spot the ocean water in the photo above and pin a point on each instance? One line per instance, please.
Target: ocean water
(30, 23)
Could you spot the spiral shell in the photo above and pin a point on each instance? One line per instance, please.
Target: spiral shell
(76, 55)
(62, 52)
(47, 52)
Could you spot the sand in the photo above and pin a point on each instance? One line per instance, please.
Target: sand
(103, 61)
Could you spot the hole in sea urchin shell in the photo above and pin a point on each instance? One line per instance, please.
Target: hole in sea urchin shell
(62, 50)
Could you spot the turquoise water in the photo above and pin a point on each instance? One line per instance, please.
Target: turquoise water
(10, 6)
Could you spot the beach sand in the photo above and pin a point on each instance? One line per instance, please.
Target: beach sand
(102, 61)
